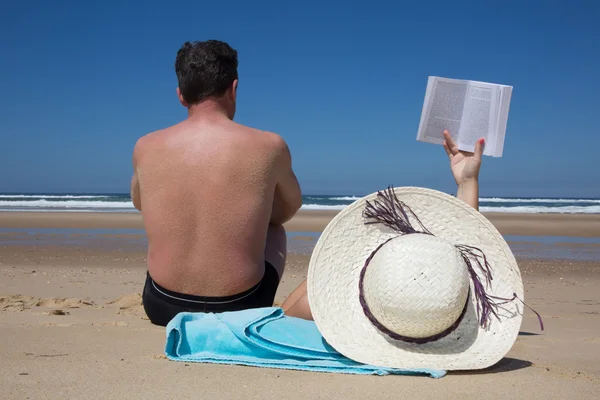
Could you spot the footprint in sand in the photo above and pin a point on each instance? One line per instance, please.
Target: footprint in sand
(56, 312)
(22, 303)
(129, 304)
(592, 340)
(122, 324)
(56, 324)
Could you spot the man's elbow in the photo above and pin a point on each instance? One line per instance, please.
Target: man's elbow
(281, 215)
(135, 198)
(296, 203)
(136, 202)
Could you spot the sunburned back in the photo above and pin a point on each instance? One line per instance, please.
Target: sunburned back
(207, 192)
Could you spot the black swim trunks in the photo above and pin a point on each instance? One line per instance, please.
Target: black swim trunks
(161, 305)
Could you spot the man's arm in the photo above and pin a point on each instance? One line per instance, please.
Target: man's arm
(288, 196)
(135, 184)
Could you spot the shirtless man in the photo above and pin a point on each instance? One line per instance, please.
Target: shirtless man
(213, 195)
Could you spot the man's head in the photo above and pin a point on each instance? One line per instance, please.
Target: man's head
(207, 70)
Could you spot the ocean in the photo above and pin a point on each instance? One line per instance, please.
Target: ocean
(122, 203)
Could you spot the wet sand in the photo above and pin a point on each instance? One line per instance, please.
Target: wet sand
(507, 224)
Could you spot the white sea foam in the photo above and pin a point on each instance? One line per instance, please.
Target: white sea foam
(504, 200)
(50, 196)
(97, 203)
(323, 207)
(482, 199)
(65, 204)
(345, 198)
(518, 209)
(69, 210)
(538, 210)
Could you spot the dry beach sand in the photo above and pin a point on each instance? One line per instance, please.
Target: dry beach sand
(72, 325)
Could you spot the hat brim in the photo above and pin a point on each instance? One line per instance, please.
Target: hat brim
(333, 294)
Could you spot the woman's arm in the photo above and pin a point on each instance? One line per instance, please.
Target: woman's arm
(465, 168)
(469, 193)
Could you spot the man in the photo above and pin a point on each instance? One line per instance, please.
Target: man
(213, 195)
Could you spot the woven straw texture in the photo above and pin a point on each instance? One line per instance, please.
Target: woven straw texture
(333, 292)
(399, 280)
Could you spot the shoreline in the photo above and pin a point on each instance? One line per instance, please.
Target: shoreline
(574, 225)
(110, 238)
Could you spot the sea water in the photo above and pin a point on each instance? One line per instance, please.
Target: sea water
(122, 203)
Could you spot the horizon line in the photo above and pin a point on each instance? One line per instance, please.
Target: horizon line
(108, 194)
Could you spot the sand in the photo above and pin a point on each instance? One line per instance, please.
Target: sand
(508, 224)
(72, 326)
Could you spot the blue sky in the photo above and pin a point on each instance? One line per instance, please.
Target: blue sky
(342, 83)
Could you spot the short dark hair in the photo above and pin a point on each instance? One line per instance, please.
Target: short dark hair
(205, 69)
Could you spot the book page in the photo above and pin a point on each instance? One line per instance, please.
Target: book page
(442, 109)
(479, 119)
(506, 94)
(469, 110)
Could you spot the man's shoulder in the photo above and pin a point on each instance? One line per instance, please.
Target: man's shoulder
(146, 142)
(272, 140)
(160, 135)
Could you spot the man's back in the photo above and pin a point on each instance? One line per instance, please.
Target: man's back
(214, 196)
(207, 189)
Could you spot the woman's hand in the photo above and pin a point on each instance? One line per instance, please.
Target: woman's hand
(465, 169)
(465, 165)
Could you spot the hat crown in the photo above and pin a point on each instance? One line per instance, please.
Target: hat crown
(416, 285)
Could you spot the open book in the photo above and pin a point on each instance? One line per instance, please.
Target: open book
(469, 110)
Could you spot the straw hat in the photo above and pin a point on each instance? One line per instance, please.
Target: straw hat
(415, 278)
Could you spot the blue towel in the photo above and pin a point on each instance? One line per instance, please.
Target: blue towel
(263, 337)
